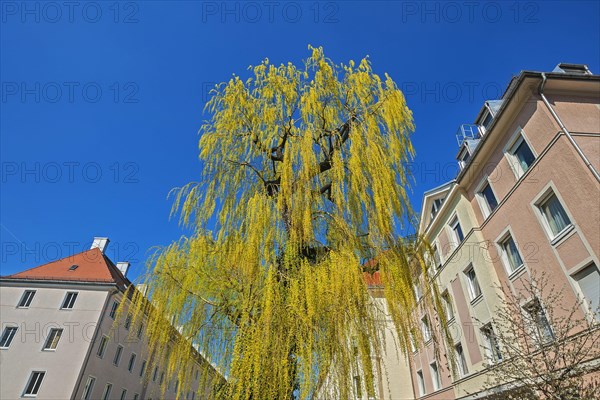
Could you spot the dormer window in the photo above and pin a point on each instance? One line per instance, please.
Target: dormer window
(463, 157)
(435, 208)
(487, 121)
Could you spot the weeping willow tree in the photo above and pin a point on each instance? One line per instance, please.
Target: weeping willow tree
(303, 178)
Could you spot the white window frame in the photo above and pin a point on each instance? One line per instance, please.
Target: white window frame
(436, 377)
(29, 381)
(536, 204)
(426, 329)
(118, 355)
(593, 310)
(511, 146)
(107, 390)
(72, 303)
(436, 250)
(131, 364)
(50, 336)
(486, 210)
(30, 298)
(470, 287)
(500, 241)
(102, 349)
(490, 352)
(421, 382)
(4, 331)
(528, 308)
(454, 222)
(448, 306)
(88, 388)
(463, 368)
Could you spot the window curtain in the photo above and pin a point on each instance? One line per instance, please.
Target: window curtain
(555, 215)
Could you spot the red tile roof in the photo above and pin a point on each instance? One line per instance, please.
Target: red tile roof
(372, 280)
(92, 266)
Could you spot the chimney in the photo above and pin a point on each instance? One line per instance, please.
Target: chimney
(101, 243)
(123, 266)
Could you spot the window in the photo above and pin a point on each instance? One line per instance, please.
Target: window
(473, 283)
(447, 302)
(113, 310)
(143, 368)
(131, 364)
(7, 336)
(33, 385)
(461, 360)
(457, 231)
(554, 215)
(435, 376)
(53, 338)
(118, 354)
(463, 157)
(488, 200)
(511, 255)
(140, 329)
(542, 332)
(155, 374)
(492, 347)
(421, 383)
(162, 378)
(73, 267)
(588, 280)
(357, 387)
(69, 300)
(136, 396)
(89, 386)
(106, 393)
(425, 329)
(418, 290)
(521, 155)
(26, 299)
(435, 207)
(102, 346)
(128, 321)
(123, 394)
(436, 258)
(487, 121)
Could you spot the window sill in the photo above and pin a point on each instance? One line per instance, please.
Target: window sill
(477, 299)
(22, 307)
(562, 235)
(50, 350)
(451, 320)
(517, 272)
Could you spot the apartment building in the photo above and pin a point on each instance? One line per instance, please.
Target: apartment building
(59, 339)
(525, 203)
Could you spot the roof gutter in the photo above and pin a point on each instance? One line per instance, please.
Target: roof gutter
(565, 130)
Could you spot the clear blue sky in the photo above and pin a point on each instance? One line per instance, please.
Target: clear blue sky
(101, 102)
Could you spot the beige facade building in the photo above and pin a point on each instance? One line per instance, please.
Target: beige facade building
(526, 202)
(59, 339)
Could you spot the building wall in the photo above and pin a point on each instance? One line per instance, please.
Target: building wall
(62, 366)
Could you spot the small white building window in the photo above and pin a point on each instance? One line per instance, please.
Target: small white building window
(33, 385)
(472, 283)
(143, 367)
(437, 261)
(53, 339)
(8, 336)
(113, 310)
(88, 388)
(69, 301)
(492, 347)
(26, 299)
(123, 394)
(487, 199)
(510, 254)
(131, 364)
(107, 390)
(118, 355)
(447, 302)
(102, 346)
(421, 383)
(461, 360)
(588, 280)
(554, 215)
(520, 155)
(457, 231)
(536, 316)
(435, 376)
(425, 329)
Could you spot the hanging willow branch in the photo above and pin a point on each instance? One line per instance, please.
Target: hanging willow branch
(302, 178)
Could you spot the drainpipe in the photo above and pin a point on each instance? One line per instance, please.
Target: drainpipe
(565, 130)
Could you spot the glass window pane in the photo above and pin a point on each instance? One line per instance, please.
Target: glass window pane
(489, 197)
(524, 155)
(555, 215)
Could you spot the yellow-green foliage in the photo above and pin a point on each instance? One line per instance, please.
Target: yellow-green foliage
(270, 286)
